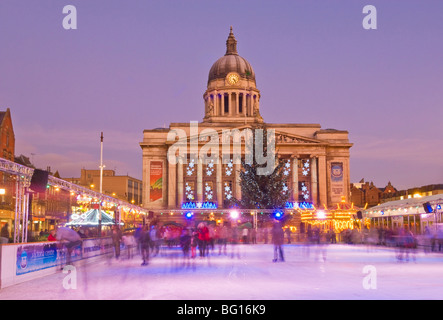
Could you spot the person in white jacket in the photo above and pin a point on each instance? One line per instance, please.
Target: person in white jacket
(70, 239)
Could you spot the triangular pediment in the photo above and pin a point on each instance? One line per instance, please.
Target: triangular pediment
(288, 138)
(206, 133)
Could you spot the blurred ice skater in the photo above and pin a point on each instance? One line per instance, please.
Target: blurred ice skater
(278, 239)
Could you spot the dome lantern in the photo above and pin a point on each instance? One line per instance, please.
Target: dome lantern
(231, 44)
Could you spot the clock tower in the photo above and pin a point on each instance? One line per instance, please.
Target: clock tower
(231, 94)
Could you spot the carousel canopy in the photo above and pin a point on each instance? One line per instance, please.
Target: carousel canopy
(90, 218)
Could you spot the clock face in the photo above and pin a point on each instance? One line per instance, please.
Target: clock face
(232, 78)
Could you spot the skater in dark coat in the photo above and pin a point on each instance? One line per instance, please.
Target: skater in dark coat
(278, 237)
(194, 243)
(116, 236)
(145, 243)
(185, 242)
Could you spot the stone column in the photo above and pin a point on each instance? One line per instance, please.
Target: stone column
(215, 112)
(295, 179)
(222, 109)
(180, 182)
(199, 180)
(237, 102)
(314, 181)
(244, 104)
(230, 103)
(237, 168)
(172, 185)
(346, 179)
(322, 181)
(218, 183)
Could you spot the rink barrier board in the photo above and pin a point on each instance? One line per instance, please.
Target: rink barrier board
(22, 262)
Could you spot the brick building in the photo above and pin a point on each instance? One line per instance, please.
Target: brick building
(7, 181)
(122, 187)
(367, 194)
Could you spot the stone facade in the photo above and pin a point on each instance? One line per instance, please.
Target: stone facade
(317, 159)
(366, 194)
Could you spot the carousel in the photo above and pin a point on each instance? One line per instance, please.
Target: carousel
(88, 221)
(343, 216)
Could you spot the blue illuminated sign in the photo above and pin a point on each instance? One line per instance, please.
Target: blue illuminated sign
(199, 205)
(300, 205)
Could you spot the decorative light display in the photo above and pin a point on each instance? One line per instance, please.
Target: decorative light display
(227, 191)
(189, 193)
(300, 205)
(234, 214)
(190, 168)
(229, 168)
(75, 216)
(278, 214)
(209, 194)
(287, 168)
(210, 168)
(306, 167)
(304, 191)
(285, 189)
(321, 214)
(189, 215)
(199, 205)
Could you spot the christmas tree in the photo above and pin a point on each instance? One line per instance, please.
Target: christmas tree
(262, 191)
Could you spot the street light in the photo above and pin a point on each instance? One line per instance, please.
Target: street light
(278, 214)
(234, 214)
(2, 193)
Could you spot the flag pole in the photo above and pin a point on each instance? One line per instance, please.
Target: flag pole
(101, 187)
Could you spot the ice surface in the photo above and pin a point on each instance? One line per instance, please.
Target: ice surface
(310, 272)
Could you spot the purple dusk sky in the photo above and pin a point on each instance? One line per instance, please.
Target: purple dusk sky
(137, 64)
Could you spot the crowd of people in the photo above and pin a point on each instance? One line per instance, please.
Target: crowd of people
(197, 241)
(207, 238)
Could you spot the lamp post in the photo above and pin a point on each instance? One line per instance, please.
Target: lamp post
(101, 187)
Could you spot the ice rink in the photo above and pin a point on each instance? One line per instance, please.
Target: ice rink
(336, 271)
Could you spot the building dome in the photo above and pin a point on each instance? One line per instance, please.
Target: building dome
(231, 62)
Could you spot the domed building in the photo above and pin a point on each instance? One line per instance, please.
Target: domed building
(317, 160)
(232, 94)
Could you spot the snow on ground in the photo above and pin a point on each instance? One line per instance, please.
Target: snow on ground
(309, 273)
